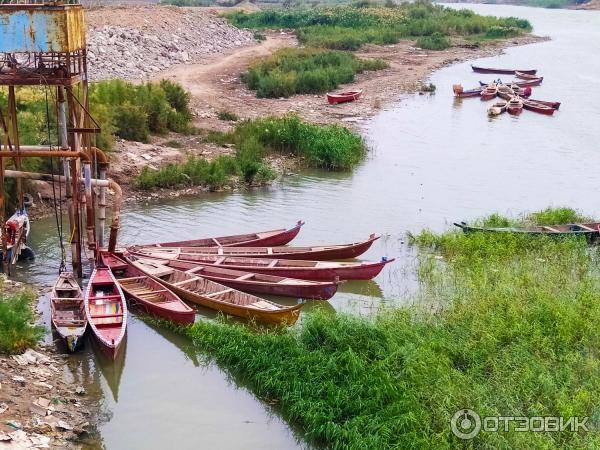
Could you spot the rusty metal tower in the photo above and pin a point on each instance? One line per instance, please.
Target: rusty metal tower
(44, 44)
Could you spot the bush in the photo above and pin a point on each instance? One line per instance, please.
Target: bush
(305, 71)
(434, 42)
(132, 122)
(17, 329)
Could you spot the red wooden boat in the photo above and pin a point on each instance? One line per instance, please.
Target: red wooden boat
(514, 106)
(304, 270)
(270, 238)
(147, 293)
(318, 253)
(489, 92)
(216, 296)
(343, 97)
(106, 311)
(554, 105)
(538, 107)
(259, 283)
(525, 76)
(503, 71)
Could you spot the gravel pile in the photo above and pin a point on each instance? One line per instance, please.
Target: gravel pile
(155, 43)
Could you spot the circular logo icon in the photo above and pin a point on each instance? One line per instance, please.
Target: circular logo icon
(465, 424)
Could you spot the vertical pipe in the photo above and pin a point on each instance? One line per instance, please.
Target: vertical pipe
(89, 207)
(12, 113)
(102, 169)
(3, 218)
(70, 171)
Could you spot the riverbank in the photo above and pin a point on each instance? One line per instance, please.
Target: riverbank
(40, 407)
(550, 4)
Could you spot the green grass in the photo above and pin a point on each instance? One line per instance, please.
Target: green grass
(350, 27)
(436, 41)
(17, 329)
(332, 147)
(305, 71)
(228, 116)
(506, 325)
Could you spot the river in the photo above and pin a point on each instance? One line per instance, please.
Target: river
(434, 161)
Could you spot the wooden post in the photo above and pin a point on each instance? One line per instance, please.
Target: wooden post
(3, 218)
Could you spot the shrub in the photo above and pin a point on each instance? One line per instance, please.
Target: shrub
(17, 329)
(132, 122)
(434, 42)
(305, 71)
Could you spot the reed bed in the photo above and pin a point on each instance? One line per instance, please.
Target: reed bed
(506, 325)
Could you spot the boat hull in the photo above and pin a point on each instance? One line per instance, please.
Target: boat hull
(343, 97)
(260, 239)
(592, 234)
(478, 69)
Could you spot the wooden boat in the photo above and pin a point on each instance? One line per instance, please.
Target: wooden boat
(263, 238)
(67, 311)
(554, 105)
(520, 83)
(507, 92)
(590, 230)
(319, 253)
(515, 106)
(497, 108)
(525, 76)
(538, 107)
(147, 293)
(16, 230)
(106, 311)
(304, 270)
(461, 93)
(503, 71)
(489, 92)
(343, 97)
(216, 296)
(259, 283)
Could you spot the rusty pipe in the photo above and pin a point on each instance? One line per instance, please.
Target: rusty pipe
(89, 207)
(114, 226)
(45, 154)
(101, 205)
(95, 152)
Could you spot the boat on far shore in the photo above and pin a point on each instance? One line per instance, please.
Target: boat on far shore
(343, 97)
(503, 71)
(589, 230)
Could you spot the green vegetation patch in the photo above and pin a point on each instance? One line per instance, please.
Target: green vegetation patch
(17, 322)
(349, 27)
(332, 147)
(506, 325)
(305, 71)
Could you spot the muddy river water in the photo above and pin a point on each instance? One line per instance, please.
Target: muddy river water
(434, 161)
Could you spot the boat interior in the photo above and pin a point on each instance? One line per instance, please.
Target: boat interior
(105, 302)
(67, 302)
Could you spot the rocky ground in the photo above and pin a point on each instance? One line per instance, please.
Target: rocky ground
(136, 42)
(39, 406)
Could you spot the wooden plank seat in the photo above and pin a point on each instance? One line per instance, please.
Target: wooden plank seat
(151, 292)
(195, 270)
(273, 263)
(181, 283)
(245, 277)
(123, 280)
(106, 316)
(263, 305)
(214, 294)
(580, 225)
(105, 297)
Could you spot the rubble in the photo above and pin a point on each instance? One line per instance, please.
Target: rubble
(137, 48)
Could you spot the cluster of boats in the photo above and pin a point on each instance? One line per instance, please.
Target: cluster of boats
(515, 94)
(226, 274)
